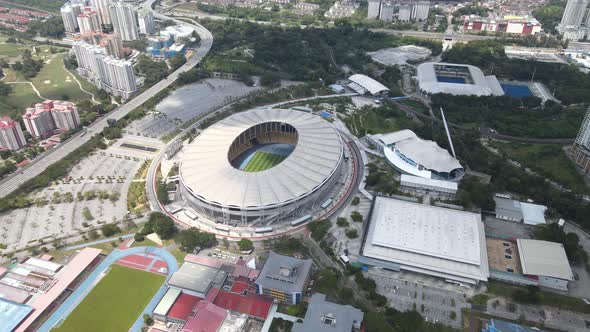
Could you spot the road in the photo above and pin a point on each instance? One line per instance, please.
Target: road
(464, 37)
(12, 182)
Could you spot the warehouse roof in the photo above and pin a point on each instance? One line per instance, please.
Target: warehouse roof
(448, 185)
(11, 314)
(543, 258)
(284, 273)
(434, 240)
(197, 278)
(207, 172)
(369, 84)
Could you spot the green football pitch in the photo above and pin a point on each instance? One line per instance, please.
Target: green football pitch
(115, 303)
(263, 160)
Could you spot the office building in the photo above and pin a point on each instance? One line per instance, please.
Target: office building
(420, 10)
(325, 316)
(386, 12)
(405, 13)
(284, 278)
(11, 134)
(69, 14)
(581, 147)
(147, 25)
(102, 7)
(88, 21)
(113, 75)
(124, 20)
(374, 9)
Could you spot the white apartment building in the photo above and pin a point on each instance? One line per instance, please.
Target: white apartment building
(11, 134)
(420, 10)
(88, 21)
(102, 7)
(405, 13)
(147, 25)
(124, 20)
(42, 119)
(386, 12)
(69, 14)
(65, 115)
(374, 9)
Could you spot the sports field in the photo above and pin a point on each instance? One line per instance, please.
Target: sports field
(115, 303)
(263, 160)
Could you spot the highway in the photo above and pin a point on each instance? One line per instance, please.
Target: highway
(463, 37)
(12, 182)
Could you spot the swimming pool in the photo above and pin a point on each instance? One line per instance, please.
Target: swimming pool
(450, 79)
(517, 91)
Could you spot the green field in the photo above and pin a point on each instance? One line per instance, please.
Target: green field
(546, 159)
(115, 303)
(263, 160)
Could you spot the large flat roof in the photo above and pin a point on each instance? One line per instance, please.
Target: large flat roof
(207, 172)
(197, 278)
(543, 258)
(342, 317)
(284, 273)
(428, 239)
(481, 85)
(11, 314)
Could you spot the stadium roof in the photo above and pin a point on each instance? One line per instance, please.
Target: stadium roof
(11, 314)
(423, 238)
(341, 318)
(207, 172)
(284, 273)
(167, 301)
(481, 86)
(197, 278)
(543, 258)
(369, 84)
(423, 152)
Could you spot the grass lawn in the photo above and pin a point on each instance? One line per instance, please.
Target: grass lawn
(546, 159)
(263, 160)
(10, 50)
(115, 303)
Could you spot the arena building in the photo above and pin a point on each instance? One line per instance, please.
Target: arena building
(410, 154)
(260, 166)
(440, 242)
(456, 79)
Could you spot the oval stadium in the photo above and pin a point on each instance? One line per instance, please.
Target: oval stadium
(261, 166)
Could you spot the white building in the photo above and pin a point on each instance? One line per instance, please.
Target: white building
(106, 72)
(124, 20)
(425, 184)
(38, 120)
(546, 261)
(363, 84)
(88, 20)
(386, 11)
(177, 32)
(102, 7)
(456, 79)
(147, 25)
(11, 134)
(420, 10)
(405, 13)
(65, 115)
(69, 14)
(512, 210)
(444, 243)
(374, 9)
(571, 22)
(112, 45)
(581, 147)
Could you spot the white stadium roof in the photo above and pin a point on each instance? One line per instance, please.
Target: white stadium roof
(423, 152)
(482, 85)
(208, 174)
(446, 243)
(543, 258)
(367, 84)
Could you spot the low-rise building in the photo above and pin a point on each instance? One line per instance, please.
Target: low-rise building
(324, 316)
(284, 278)
(513, 25)
(11, 134)
(513, 210)
(545, 261)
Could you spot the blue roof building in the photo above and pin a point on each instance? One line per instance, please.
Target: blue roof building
(12, 314)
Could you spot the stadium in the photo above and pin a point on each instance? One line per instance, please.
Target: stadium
(260, 166)
(456, 79)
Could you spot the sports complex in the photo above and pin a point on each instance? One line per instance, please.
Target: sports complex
(280, 165)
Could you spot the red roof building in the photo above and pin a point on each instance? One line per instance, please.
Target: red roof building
(208, 318)
(253, 305)
(182, 308)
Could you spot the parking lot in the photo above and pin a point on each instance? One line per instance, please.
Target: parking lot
(187, 103)
(434, 304)
(95, 192)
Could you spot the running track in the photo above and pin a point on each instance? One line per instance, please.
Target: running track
(86, 286)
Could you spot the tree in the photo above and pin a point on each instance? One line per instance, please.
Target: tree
(177, 61)
(109, 230)
(5, 89)
(93, 234)
(138, 237)
(160, 224)
(189, 239)
(245, 245)
(319, 229)
(352, 233)
(355, 200)
(342, 222)
(356, 216)
(270, 79)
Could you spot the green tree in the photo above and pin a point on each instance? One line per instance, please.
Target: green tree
(109, 230)
(245, 245)
(177, 61)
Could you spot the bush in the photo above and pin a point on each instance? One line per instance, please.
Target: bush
(87, 214)
(352, 233)
(110, 230)
(342, 222)
(356, 216)
(138, 237)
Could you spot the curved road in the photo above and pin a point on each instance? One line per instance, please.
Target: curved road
(12, 182)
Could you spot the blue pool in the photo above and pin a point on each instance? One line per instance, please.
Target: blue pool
(450, 79)
(517, 91)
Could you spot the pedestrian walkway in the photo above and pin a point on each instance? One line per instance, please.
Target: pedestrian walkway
(62, 312)
(90, 244)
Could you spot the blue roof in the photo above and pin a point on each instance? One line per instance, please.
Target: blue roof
(11, 314)
(496, 325)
